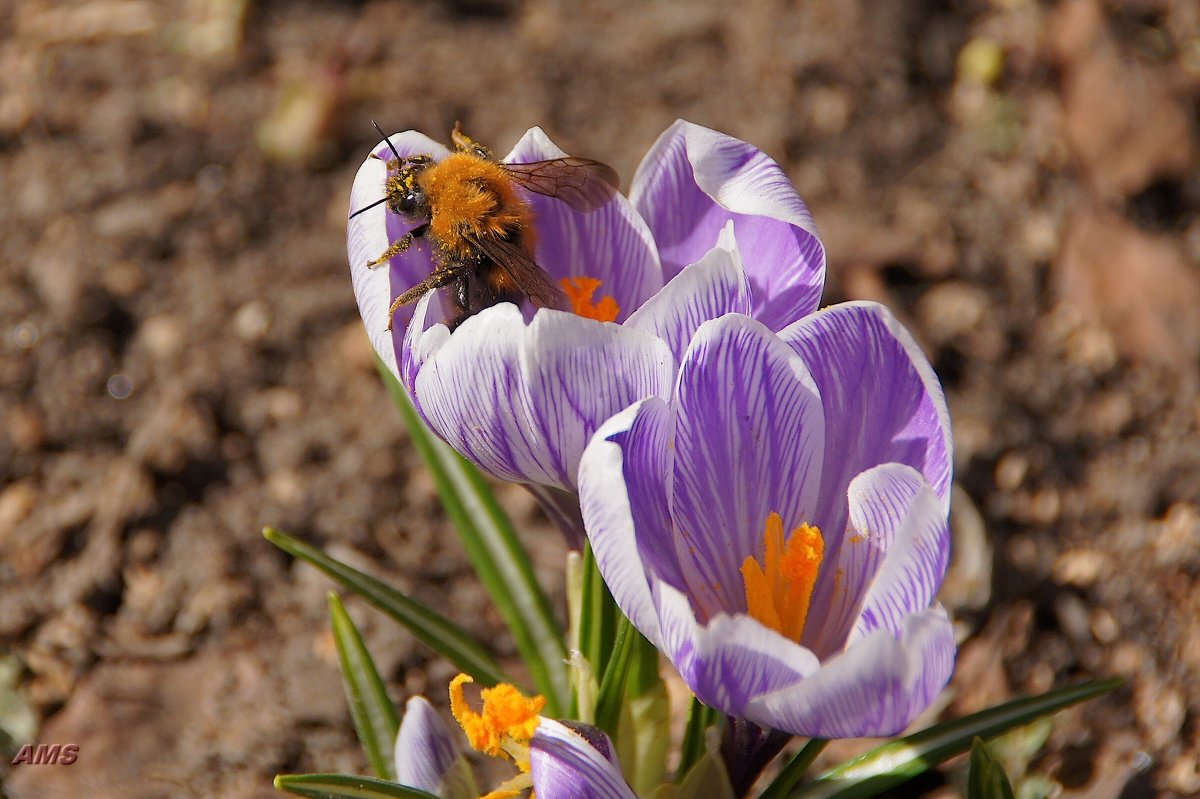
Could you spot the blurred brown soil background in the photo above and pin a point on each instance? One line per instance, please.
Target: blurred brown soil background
(182, 361)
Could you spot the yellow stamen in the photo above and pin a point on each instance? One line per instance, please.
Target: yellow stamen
(508, 720)
(779, 590)
(511, 788)
(579, 291)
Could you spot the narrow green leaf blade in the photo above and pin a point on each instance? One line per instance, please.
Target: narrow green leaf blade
(700, 719)
(986, 778)
(345, 786)
(598, 622)
(440, 634)
(496, 554)
(375, 717)
(897, 761)
(612, 685)
(793, 772)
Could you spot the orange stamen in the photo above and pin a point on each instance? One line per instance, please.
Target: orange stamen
(580, 290)
(505, 726)
(779, 590)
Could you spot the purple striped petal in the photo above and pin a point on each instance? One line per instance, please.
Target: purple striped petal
(731, 660)
(623, 498)
(425, 749)
(521, 400)
(694, 180)
(875, 688)
(893, 560)
(566, 766)
(748, 443)
(612, 243)
(710, 288)
(370, 233)
(882, 404)
(894, 504)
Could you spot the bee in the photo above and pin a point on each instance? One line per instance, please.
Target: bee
(471, 209)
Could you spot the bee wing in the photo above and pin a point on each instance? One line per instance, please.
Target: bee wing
(581, 183)
(529, 278)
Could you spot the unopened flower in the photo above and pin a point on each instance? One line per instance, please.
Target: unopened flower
(427, 754)
(557, 760)
(520, 393)
(778, 528)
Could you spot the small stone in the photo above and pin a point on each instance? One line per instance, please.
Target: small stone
(1011, 471)
(950, 310)
(163, 336)
(285, 487)
(26, 429)
(981, 61)
(1072, 615)
(283, 404)
(1104, 626)
(123, 279)
(16, 502)
(1081, 567)
(1045, 506)
(252, 321)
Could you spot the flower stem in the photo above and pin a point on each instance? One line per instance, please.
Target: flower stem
(746, 749)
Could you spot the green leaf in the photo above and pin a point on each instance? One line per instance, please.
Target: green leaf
(897, 761)
(612, 684)
(986, 778)
(706, 779)
(700, 719)
(375, 717)
(495, 553)
(793, 772)
(643, 738)
(438, 633)
(18, 721)
(598, 617)
(345, 786)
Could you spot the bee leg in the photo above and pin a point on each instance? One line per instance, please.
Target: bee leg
(399, 245)
(462, 294)
(465, 144)
(436, 279)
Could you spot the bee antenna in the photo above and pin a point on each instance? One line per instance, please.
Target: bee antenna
(391, 146)
(368, 208)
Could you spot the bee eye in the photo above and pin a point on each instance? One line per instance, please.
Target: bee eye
(412, 201)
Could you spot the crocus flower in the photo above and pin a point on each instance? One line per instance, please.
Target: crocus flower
(520, 393)
(557, 759)
(575, 761)
(427, 754)
(778, 528)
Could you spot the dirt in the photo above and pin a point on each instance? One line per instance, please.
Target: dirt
(183, 362)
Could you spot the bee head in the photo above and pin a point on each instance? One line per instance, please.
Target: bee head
(404, 192)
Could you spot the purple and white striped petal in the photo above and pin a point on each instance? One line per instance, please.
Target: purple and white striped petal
(565, 765)
(694, 180)
(750, 436)
(731, 660)
(892, 560)
(623, 498)
(882, 403)
(522, 400)
(748, 443)
(710, 288)
(425, 749)
(370, 233)
(612, 243)
(894, 503)
(875, 688)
